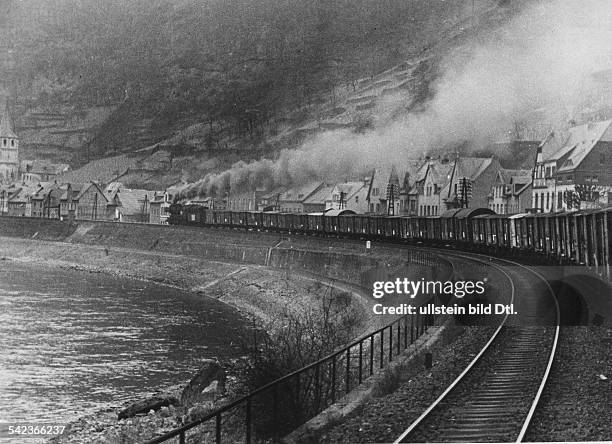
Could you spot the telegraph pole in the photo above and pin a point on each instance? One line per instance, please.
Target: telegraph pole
(342, 203)
(392, 191)
(465, 192)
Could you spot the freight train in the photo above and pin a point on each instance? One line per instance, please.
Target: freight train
(579, 237)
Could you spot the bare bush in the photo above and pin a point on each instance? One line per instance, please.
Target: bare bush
(308, 333)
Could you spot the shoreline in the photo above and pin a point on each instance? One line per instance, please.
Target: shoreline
(201, 277)
(179, 271)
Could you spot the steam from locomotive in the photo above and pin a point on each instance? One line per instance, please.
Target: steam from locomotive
(523, 79)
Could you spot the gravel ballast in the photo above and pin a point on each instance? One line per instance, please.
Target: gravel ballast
(577, 402)
(383, 419)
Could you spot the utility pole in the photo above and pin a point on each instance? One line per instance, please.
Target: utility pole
(465, 192)
(392, 191)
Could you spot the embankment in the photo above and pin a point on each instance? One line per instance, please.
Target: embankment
(254, 272)
(173, 255)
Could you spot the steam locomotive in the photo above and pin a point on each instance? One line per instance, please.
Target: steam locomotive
(578, 238)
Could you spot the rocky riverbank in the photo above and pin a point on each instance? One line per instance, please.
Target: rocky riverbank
(263, 295)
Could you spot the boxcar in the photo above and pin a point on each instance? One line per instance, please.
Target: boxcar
(330, 224)
(240, 219)
(504, 237)
(315, 223)
(434, 228)
(495, 230)
(283, 221)
(529, 222)
(422, 227)
(413, 227)
(194, 214)
(448, 222)
(517, 237)
(465, 226)
(480, 229)
(346, 224)
(375, 225)
(226, 218)
(253, 219)
(403, 225)
(602, 253)
(270, 220)
(360, 224)
(392, 226)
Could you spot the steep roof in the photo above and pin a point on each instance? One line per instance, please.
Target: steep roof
(132, 201)
(87, 186)
(76, 190)
(514, 154)
(472, 167)
(581, 141)
(24, 194)
(112, 189)
(44, 188)
(509, 176)
(349, 188)
(273, 193)
(319, 196)
(382, 176)
(440, 172)
(300, 193)
(6, 124)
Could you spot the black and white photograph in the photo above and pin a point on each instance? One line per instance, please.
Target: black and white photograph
(305, 221)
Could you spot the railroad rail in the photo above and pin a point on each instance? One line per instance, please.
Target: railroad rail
(277, 408)
(496, 395)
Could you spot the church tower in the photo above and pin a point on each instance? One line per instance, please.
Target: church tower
(9, 148)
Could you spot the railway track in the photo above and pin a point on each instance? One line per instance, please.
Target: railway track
(494, 398)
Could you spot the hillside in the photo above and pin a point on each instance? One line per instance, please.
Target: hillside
(182, 90)
(225, 80)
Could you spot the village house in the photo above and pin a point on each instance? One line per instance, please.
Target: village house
(392, 182)
(292, 200)
(6, 192)
(83, 201)
(425, 195)
(480, 172)
(574, 171)
(349, 196)
(376, 197)
(439, 184)
(41, 170)
(245, 200)
(46, 201)
(20, 203)
(316, 202)
(159, 206)
(511, 191)
(270, 200)
(128, 205)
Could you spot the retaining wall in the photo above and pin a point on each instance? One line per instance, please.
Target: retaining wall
(357, 268)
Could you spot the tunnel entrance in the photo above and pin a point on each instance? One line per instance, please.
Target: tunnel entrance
(572, 305)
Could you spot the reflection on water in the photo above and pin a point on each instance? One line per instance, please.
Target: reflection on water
(72, 342)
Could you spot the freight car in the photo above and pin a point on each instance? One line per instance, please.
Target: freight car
(579, 237)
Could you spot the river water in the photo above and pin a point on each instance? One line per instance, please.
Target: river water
(72, 342)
